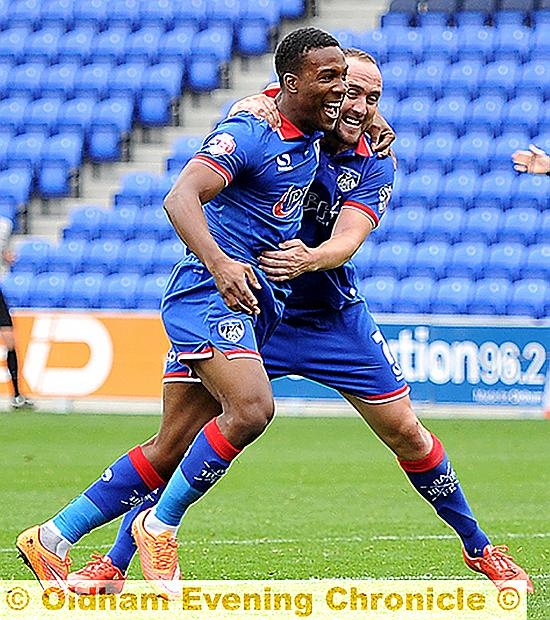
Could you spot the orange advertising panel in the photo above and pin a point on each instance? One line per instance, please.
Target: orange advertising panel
(81, 354)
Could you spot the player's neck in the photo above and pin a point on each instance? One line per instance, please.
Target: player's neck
(333, 145)
(291, 111)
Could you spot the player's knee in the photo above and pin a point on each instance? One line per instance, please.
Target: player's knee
(408, 438)
(251, 416)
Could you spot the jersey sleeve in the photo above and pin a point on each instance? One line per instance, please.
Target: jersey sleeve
(373, 193)
(231, 148)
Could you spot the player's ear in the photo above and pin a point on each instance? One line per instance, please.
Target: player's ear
(290, 82)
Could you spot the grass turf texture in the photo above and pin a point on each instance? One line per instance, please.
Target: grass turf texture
(312, 498)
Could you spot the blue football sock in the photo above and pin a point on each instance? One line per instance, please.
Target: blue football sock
(124, 547)
(123, 485)
(434, 478)
(204, 464)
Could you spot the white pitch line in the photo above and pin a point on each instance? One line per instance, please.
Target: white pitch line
(293, 541)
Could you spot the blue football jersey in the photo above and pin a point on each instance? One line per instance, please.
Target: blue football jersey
(353, 179)
(267, 175)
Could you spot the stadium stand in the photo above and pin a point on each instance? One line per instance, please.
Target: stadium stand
(466, 82)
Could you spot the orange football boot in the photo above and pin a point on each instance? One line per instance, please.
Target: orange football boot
(496, 564)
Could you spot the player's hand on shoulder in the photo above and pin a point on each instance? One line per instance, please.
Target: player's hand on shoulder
(382, 135)
(292, 260)
(261, 106)
(234, 281)
(534, 161)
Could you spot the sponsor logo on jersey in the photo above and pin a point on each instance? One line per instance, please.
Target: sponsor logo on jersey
(291, 200)
(384, 195)
(222, 144)
(348, 179)
(231, 329)
(284, 162)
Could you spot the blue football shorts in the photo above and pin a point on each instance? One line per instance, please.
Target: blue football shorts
(343, 349)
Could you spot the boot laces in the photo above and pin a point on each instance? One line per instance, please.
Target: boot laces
(502, 561)
(165, 551)
(96, 566)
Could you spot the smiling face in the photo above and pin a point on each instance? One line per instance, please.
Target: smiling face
(319, 88)
(360, 103)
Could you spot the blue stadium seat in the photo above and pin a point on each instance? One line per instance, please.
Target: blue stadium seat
(175, 46)
(495, 189)
(102, 256)
(523, 112)
(463, 78)
(191, 13)
(32, 257)
(215, 41)
(393, 258)
(530, 297)
(135, 190)
(414, 112)
(84, 290)
(55, 179)
(445, 224)
(490, 296)
(406, 147)
(537, 262)
(363, 259)
(423, 186)
(467, 259)
(450, 113)
(519, 224)
(458, 189)
(512, 42)
(482, 224)
(153, 223)
(476, 43)
(471, 19)
(124, 13)
(452, 296)
(109, 46)
(504, 146)
(166, 255)
(41, 115)
(75, 115)
(435, 151)
(161, 187)
(516, 18)
(441, 44)
(505, 260)
(119, 224)
(156, 13)
(375, 42)
(531, 191)
(25, 152)
(142, 46)
(48, 290)
(267, 9)
(41, 46)
(414, 295)
(222, 13)
(405, 44)
(150, 291)
(137, 256)
(85, 223)
(203, 73)
(92, 13)
(395, 77)
(12, 43)
(24, 12)
(162, 84)
(253, 36)
(387, 104)
(16, 287)
(75, 46)
(24, 79)
(67, 256)
(474, 149)
(429, 259)
(57, 13)
(396, 20)
(105, 143)
(12, 111)
(486, 113)
(379, 292)
(118, 291)
(58, 81)
(500, 78)
(91, 80)
(292, 9)
(16, 184)
(66, 146)
(426, 77)
(535, 77)
(407, 224)
(4, 79)
(126, 80)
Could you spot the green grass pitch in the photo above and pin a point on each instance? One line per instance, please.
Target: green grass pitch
(312, 498)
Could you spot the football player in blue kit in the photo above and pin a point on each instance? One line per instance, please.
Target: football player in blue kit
(328, 334)
(240, 195)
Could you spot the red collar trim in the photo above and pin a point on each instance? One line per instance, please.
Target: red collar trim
(363, 147)
(288, 130)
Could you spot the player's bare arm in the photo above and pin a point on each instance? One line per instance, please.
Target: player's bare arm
(534, 161)
(295, 257)
(195, 186)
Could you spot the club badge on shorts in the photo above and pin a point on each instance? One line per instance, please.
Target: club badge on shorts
(231, 329)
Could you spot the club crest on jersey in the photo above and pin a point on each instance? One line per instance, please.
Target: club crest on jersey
(291, 200)
(348, 179)
(222, 144)
(384, 195)
(231, 329)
